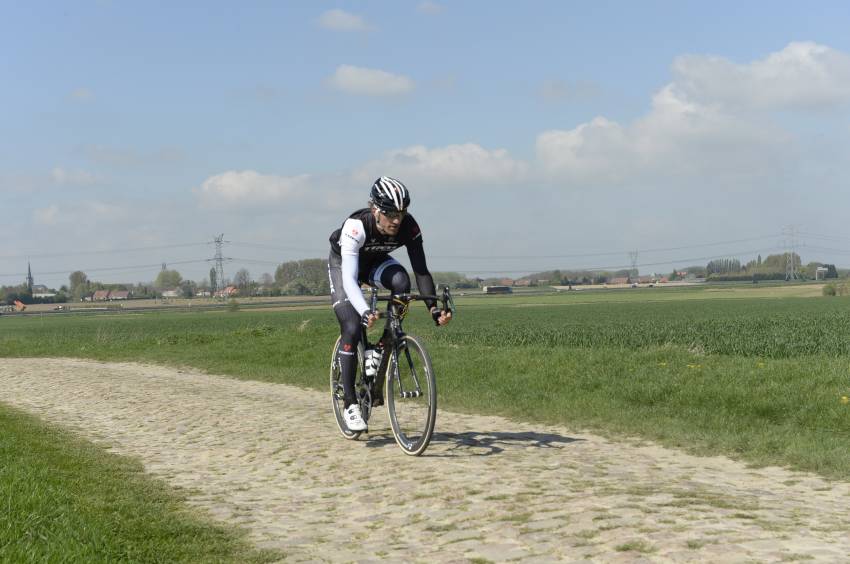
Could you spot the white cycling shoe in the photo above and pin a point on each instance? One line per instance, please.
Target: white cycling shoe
(354, 419)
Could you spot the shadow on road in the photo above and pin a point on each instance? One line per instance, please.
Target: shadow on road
(476, 443)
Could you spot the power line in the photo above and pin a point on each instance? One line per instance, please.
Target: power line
(67, 254)
(109, 268)
(277, 247)
(100, 252)
(630, 266)
(607, 253)
(823, 237)
(827, 249)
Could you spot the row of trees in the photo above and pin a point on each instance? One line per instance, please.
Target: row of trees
(771, 268)
(310, 277)
(774, 267)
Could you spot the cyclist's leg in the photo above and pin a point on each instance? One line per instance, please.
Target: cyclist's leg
(349, 326)
(390, 275)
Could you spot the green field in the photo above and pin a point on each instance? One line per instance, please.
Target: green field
(65, 500)
(746, 372)
(759, 378)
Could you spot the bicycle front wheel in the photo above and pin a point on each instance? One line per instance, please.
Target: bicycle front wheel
(411, 396)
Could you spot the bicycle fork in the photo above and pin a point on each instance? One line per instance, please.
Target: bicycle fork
(397, 375)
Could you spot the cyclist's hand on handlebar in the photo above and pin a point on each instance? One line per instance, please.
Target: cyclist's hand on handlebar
(441, 317)
(368, 319)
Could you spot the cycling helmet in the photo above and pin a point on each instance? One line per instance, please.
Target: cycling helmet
(389, 195)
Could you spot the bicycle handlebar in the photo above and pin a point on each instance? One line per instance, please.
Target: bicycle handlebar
(446, 298)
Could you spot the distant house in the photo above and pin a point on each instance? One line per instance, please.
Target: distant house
(202, 294)
(522, 282)
(42, 291)
(119, 295)
(100, 296)
(175, 293)
(262, 290)
(619, 280)
(227, 292)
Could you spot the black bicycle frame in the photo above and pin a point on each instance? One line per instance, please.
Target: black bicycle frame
(393, 334)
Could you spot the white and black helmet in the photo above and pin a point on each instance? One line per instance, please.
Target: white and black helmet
(389, 195)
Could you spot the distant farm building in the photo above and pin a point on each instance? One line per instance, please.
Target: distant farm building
(227, 292)
(497, 290)
(42, 291)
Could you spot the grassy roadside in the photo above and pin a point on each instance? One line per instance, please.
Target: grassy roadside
(66, 500)
(757, 379)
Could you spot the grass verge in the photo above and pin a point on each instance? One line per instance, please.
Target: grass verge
(755, 379)
(66, 500)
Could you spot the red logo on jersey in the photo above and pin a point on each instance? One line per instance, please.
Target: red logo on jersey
(346, 347)
(355, 232)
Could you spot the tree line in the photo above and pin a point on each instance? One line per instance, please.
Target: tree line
(310, 277)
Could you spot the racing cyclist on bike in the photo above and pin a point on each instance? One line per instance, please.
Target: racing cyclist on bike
(360, 255)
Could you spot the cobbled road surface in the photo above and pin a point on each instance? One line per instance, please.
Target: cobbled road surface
(268, 457)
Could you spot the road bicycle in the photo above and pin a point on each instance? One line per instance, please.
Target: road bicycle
(405, 375)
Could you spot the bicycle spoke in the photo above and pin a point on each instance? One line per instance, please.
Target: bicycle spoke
(413, 374)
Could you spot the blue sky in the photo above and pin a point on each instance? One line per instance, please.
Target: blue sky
(531, 135)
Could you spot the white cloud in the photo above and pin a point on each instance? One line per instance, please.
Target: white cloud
(340, 20)
(87, 214)
(82, 94)
(802, 75)
(703, 125)
(430, 8)
(250, 189)
(369, 82)
(453, 165)
(119, 157)
(73, 177)
(46, 216)
(104, 211)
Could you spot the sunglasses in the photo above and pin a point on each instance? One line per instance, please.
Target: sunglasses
(393, 215)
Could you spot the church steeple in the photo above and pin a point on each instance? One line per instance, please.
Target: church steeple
(29, 277)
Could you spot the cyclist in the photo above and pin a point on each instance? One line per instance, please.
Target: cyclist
(360, 255)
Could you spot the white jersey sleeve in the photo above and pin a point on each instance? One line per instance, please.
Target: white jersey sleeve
(351, 240)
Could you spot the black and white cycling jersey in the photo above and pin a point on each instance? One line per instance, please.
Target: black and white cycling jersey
(362, 250)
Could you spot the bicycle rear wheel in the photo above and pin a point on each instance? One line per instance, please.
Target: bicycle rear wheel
(337, 394)
(411, 396)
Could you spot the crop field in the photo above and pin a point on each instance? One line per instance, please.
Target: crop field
(758, 374)
(752, 373)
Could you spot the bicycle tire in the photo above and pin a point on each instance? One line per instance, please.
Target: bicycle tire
(412, 418)
(337, 397)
